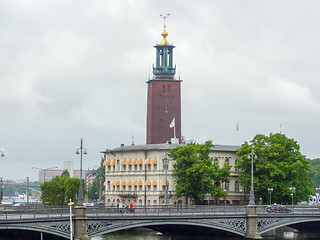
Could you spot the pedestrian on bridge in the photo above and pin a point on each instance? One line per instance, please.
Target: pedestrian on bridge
(126, 210)
(131, 210)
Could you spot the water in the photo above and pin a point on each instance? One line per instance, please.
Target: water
(145, 234)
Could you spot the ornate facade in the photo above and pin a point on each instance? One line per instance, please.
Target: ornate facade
(136, 174)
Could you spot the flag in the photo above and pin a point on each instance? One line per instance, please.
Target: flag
(172, 124)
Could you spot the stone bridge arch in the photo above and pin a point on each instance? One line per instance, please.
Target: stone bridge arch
(235, 226)
(267, 224)
(59, 228)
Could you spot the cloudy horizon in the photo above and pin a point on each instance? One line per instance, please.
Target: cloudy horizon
(78, 69)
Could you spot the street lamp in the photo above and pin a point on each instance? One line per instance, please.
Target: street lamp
(44, 171)
(1, 191)
(251, 198)
(270, 190)
(71, 227)
(292, 189)
(165, 167)
(317, 194)
(80, 151)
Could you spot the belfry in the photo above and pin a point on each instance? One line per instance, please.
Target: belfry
(164, 97)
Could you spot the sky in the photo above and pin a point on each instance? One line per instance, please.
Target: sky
(78, 69)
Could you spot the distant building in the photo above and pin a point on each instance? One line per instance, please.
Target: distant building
(69, 166)
(47, 174)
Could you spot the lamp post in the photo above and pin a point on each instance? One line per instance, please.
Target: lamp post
(165, 167)
(292, 189)
(251, 198)
(71, 227)
(1, 191)
(270, 190)
(317, 194)
(81, 151)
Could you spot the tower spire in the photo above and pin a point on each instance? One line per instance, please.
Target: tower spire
(164, 58)
(164, 94)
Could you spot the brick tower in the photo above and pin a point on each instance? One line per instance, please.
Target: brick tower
(164, 97)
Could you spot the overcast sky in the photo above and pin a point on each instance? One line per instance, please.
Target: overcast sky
(78, 69)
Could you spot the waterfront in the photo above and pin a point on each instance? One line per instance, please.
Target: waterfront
(144, 234)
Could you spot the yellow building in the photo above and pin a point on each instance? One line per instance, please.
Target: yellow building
(136, 174)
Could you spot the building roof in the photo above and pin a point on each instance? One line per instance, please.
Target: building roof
(164, 146)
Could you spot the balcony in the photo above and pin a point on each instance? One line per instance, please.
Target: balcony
(127, 194)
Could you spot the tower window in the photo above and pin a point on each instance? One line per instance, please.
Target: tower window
(169, 88)
(163, 88)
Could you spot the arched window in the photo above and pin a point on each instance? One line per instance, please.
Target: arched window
(227, 161)
(236, 169)
(236, 186)
(227, 187)
(216, 160)
(118, 165)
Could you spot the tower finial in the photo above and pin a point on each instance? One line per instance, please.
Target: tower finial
(164, 32)
(164, 16)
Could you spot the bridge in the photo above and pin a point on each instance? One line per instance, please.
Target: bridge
(248, 221)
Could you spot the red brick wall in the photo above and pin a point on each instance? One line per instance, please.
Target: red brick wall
(163, 104)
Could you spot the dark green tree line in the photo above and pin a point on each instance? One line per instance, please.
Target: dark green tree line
(94, 189)
(59, 190)
(278, 164)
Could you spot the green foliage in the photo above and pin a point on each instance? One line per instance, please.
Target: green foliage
(278, 164)
(59, 190)
(196, 173)
(65, 173)
(315, 171)
(94, 188)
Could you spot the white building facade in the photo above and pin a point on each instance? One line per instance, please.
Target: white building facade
(136, 174)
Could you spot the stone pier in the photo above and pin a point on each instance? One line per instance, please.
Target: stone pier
(251, 228)
(80, 223)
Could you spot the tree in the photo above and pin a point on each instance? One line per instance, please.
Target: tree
(59, 190)
(278, 164)
(94, 189)
(315, 171)
(65, 173)
(196, 174)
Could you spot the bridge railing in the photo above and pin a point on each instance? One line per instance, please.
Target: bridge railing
(231, 210)
(34, 212)
(289, 209)
(169, 210)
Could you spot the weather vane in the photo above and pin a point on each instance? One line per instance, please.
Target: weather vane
(164, 16)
